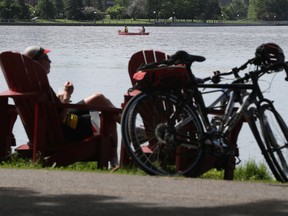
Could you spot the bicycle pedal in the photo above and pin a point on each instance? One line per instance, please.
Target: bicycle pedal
(238, 161)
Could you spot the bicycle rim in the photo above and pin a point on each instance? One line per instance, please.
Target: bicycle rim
(276, 139)
(146, 135)
(257, 129)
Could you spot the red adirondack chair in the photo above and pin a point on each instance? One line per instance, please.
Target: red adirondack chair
(136, 60)
(29, 88)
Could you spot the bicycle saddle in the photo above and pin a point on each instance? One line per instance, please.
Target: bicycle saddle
(182, 57)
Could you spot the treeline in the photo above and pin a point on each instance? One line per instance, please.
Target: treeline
(145, 9)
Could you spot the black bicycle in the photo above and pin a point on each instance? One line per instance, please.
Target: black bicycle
(169, 131)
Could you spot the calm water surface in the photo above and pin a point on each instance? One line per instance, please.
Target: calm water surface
(95, 59)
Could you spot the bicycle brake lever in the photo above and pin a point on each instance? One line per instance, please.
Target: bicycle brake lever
(285, 66)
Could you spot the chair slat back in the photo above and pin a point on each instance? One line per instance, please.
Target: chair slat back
(24, 75)
(143, 57)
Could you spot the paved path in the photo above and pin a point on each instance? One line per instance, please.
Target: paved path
(64, 193)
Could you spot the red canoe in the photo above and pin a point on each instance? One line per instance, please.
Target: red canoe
(132, 33)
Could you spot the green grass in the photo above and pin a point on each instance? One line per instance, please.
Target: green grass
(120, 22)
(249, 171)
(27, 163)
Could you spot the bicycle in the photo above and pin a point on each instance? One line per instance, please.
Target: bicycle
(168, 131)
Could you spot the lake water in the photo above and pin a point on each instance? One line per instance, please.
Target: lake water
(95, 59)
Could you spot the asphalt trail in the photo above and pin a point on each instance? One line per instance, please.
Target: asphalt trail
(65, 193)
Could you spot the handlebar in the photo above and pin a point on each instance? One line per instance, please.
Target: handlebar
(278, 67)
(216, 78)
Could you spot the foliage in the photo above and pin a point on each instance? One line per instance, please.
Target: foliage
(250, 171)
(59, 7)
(74, 9)
(14, 9)
(45, 9)
(137, 9)
(236, 10)
(211, 9)
(92, 13)
(270, 10)
(116, 12)
(23, 12)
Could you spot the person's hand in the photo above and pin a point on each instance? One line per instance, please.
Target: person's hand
(65, 95)
(68, 87)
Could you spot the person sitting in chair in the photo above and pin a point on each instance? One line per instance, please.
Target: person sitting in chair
(76, 123)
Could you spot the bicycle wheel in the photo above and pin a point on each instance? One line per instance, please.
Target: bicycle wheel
(276, 137)
(274, 140)
(156, 147)
(256, 127)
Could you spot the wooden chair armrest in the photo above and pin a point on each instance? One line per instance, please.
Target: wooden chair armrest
(14, 94)
(87, 107)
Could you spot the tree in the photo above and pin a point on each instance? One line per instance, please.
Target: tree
(59, 6)
(235, 10)
(252, 10)
(6, 9)
(153, 7)
(268, 9)
(116, 12)
(123, 3)
(137, 9)
(23, 12)
(14, 9)
(212, 9)
(187, 9)
(168, 8)
(91, 13)
(100, 4)
(74, 9)
(87, 3)
(45, 9)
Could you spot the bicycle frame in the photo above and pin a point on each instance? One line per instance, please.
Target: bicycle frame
(229, 117)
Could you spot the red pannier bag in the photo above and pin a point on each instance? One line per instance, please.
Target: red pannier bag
(162, 77)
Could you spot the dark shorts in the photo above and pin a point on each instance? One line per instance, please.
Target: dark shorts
(83, 128)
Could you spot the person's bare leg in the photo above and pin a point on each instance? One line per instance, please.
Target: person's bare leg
(101, 101)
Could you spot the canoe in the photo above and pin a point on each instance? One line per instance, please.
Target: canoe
(132, 33)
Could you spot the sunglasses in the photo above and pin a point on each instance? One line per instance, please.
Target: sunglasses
(39, 56)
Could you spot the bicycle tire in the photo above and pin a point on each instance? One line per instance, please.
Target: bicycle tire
(276, 137)
(256, 128)
(148, 113)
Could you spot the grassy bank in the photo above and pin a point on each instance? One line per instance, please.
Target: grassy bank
(249, 171)
(140, 22)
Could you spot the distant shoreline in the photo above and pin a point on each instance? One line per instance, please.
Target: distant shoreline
(157, 24)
